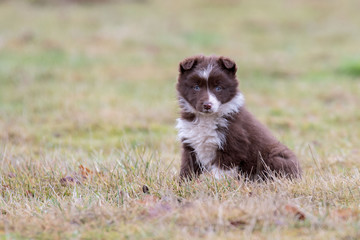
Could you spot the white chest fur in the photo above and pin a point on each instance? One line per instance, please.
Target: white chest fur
(204, 136)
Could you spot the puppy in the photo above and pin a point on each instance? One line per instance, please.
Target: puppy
(217, 132)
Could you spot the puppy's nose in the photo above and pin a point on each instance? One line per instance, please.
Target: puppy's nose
(207, 105)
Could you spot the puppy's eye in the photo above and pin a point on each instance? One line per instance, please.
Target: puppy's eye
(196, 88)
(218, 88)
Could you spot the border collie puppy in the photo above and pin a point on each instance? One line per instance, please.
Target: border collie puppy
(218, 134)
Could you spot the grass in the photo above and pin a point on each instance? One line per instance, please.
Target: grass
(88, 108)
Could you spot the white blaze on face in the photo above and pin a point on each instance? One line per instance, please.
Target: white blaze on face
(215, 103)
(205, 73)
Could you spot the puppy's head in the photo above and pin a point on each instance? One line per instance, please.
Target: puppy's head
(206, 84)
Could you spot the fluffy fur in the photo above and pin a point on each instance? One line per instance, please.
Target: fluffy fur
(218, 134)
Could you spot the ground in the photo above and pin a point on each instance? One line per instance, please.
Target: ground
(88, 148)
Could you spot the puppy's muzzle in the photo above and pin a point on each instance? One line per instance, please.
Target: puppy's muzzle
(207, 106)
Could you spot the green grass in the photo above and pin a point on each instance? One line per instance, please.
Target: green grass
(93, 85)
(351, 68)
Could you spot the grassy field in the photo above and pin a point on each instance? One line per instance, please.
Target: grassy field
(88, 108)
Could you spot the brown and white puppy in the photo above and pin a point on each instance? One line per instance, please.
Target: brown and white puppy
(218, 134)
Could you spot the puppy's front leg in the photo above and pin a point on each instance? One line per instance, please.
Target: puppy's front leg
(189, 166)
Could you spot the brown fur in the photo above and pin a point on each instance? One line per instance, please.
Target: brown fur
(249, 147)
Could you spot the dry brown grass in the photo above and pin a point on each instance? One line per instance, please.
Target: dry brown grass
(93, 86)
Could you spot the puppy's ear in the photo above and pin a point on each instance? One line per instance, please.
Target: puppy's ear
(187, 64)
(228, 64)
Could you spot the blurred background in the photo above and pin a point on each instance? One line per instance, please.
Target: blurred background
(97, 74)
(88, 105)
